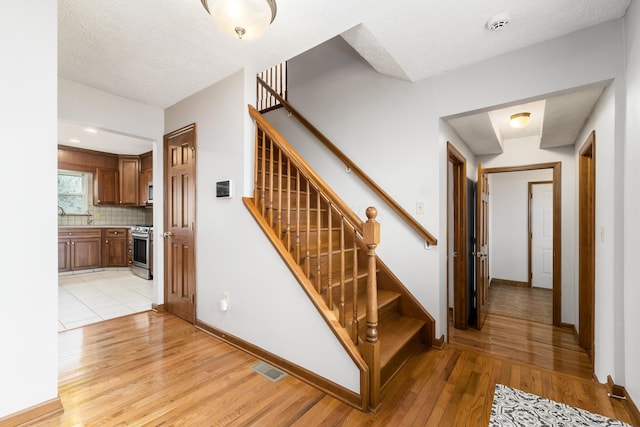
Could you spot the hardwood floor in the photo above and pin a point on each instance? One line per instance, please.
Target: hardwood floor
(155, 369)
(535, 304)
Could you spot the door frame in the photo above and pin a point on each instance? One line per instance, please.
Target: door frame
(557, 228)
(459, 217)
(586, 243)
(530, 185)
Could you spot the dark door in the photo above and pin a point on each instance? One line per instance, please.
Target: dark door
(180, 208)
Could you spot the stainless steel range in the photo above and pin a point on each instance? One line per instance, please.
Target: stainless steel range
(142, 265)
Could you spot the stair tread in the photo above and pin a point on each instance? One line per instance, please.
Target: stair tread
(395, 332)
(384, 298)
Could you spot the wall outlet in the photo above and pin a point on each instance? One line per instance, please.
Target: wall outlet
(224, 302)
(419, 208)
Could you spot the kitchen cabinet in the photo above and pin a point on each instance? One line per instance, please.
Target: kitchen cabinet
(115, 247)
(79, 249)
(106, 187)
(146, 177)
(129, 168)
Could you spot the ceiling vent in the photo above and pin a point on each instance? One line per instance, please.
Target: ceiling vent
(498, 21)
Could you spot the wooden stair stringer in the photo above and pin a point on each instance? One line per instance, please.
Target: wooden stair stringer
(328, 315)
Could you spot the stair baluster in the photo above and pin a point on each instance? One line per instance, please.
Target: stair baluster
(307, 256)
(319, 240)
(341, 306)
(356, 323)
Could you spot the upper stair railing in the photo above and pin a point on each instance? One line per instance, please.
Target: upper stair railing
(276, 80)
(423, 232)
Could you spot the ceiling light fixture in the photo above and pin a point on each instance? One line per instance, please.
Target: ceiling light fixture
(520, 120)
(245, 19)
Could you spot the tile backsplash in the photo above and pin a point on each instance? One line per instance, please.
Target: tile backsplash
(109, 215)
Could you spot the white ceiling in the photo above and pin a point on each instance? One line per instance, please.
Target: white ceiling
(556, 121)
(89, 138)
(162, 51)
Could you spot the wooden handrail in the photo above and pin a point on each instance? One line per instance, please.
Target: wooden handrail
(293, 156)
(423, 232)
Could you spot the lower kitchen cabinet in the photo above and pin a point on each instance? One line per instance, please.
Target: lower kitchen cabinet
(79, 249)
(115, 249)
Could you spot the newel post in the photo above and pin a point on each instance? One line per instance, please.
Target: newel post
(371, 345)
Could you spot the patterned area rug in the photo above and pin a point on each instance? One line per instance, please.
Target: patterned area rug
(512, 407)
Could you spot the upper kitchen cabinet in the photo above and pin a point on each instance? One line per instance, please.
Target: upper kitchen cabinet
(106, 187)
(118, 180)
(129, 175)
(146, 178)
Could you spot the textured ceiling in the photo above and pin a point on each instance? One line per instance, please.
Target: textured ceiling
(555, 121)
(162, 51)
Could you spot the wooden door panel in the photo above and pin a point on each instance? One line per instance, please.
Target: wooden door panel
(482, 248)
(64, 255)
(86, 253)
(180, 223)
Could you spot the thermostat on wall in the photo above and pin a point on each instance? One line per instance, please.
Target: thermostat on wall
(223, 189)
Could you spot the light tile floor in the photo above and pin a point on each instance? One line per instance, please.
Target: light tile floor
(92, 297)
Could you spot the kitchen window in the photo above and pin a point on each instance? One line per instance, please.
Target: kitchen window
(73, 192)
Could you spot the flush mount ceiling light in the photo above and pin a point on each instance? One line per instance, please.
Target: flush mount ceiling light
(245, 19)
(520, 120)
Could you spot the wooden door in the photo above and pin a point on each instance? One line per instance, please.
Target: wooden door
(482, 247)
(587, 241)
(457, 242)
(179, 214)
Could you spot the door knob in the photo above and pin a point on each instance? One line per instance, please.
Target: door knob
(167, 234)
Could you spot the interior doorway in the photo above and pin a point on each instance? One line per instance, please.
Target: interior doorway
(555, 219)
(463, 298)
(587, 232)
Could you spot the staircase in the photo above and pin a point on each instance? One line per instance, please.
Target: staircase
(331, 252)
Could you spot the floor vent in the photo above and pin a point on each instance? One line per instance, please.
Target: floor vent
(268, 371)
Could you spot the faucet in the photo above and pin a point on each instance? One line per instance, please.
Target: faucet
(61, 211)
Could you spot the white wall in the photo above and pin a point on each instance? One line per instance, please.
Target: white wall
(609, 288)
(28, 318)
(391, 129)
(632, 203)
(509, 222)
(85, 105)
(267, 306)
